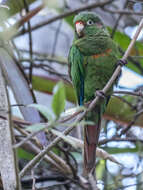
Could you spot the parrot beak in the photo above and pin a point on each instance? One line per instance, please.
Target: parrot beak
(79, 26)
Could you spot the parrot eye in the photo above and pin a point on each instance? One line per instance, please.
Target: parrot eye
(90, 22)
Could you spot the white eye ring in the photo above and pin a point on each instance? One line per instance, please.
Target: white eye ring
(90, 22)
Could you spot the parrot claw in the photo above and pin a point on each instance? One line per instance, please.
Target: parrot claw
(100, 93)
(122, 62)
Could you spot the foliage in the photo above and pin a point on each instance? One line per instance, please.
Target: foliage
(58, 102)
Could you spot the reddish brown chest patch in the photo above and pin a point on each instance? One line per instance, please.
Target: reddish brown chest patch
(106, 53)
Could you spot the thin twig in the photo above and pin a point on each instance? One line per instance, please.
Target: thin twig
(118, 20)
(92, 181)
(56, 38)
(129, 93)
(104, 141)
(124, 12)
(50, 59)
(131, 123)
(30, 136)
(17, 120)
(30, 43)
(33, 180)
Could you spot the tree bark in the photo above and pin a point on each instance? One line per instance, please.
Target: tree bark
(8, 162)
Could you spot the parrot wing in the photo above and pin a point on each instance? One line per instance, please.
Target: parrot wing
(77, 72)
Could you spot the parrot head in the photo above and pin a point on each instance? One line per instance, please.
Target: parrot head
(86, 23)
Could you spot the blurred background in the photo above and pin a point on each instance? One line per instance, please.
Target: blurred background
(33, 57)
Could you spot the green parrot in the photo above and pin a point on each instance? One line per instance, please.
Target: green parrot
(92, 60)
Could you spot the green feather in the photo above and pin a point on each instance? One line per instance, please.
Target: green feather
(76, 61)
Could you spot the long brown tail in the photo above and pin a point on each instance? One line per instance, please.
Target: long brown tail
(91, 136)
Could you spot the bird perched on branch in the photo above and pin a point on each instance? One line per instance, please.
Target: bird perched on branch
(92, 60)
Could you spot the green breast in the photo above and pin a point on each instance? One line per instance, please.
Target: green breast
(98, 72)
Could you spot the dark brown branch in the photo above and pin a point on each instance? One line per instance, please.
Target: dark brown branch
(28, 16)
(30, 43)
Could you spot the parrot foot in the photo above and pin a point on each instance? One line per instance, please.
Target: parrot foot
(100, 93)
(122, 62)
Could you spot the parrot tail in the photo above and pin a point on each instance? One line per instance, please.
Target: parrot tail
(91, 136)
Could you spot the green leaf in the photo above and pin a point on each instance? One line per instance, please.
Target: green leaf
(35, 127)
(24, 154)
(46, 85)
(43, 110)
(59, 99)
